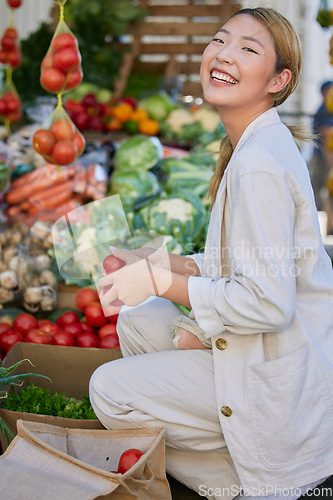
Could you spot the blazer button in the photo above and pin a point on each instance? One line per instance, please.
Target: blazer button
(226, 411)
(221, 344)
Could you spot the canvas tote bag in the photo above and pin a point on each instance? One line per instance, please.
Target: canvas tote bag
(56, 463)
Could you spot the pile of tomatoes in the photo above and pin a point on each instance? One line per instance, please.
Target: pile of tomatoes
(61, 67)
(93, 329)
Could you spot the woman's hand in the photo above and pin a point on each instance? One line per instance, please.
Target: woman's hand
(132, 284)
(156, 256)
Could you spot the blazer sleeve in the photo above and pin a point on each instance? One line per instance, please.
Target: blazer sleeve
(259, 296)
(198, 259)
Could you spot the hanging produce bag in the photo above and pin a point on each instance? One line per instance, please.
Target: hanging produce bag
(58, 140)
(61, 69)
(14, 4)
(323, 16)
(10, 103)
(10, 52)
(47, 461)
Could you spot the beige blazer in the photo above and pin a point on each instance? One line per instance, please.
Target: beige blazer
(265, 298)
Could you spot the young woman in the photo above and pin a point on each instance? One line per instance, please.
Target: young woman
(245, 390)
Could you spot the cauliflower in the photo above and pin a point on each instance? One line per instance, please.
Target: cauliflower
(179, 117)
(208, 118)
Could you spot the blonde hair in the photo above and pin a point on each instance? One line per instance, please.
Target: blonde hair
(288, 56)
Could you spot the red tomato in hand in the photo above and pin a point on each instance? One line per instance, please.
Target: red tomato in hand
(9, 338)
(87, 339)
(108, 329)
(67, 318)
(63, 41)
(112, 264)
(52, 80)
(64, 152)
(63, 338)
(43, 141)
(128, 459)
(25, 322)
(95, 315)
(62, 129)
(84, 297)
(36, 336)
(109, 342)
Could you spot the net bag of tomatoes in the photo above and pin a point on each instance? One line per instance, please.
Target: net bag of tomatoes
(58, 140)
(10, 52)
(61, 69)
(88, 457)
(10, 103)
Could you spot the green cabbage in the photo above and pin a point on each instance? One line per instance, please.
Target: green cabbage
(182, 215)
(158, 106)
(138, 152)
(135, 187)
(182, 174)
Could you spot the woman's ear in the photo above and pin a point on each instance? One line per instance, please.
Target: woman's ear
(281, 81)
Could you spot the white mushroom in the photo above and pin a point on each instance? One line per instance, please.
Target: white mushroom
(32, 297)
(6, 295)
(19, 264)
(9, 252)
(48, 303)
(8, 280)
(42, 262)
(47, 277)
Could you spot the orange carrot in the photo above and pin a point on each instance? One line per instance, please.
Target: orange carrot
(21, 193)
(52, 197)
(34, 174)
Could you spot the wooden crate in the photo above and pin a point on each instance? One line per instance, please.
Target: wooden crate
(170, 41)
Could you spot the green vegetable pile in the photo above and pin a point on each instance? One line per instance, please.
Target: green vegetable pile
(34, 399)
(7, 378)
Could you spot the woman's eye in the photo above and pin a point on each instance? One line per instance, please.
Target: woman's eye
(218, 40)
(248, 49)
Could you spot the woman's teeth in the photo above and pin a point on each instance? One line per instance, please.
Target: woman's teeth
(222, 77)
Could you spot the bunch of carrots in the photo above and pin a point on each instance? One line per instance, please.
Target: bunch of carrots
(50, 191)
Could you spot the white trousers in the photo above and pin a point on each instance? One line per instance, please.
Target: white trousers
(157, 385)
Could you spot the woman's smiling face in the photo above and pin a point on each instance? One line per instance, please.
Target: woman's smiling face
(237, 67)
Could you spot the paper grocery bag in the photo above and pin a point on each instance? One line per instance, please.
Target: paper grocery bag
(47, 461)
